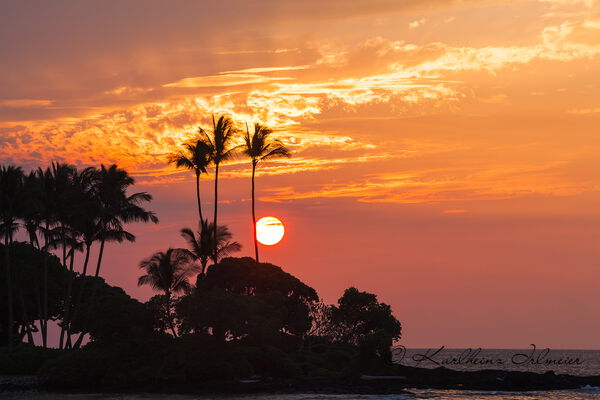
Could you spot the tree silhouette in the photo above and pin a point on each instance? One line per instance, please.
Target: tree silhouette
(117, 208)
(65, 210)
(361, 320)
(196, 156)
(11, 191)
(221, 150)
(28, 266)
(260, 147)
(168, 272)
(202, 245)
(239, 298)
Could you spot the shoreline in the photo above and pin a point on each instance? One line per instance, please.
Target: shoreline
(410, 378)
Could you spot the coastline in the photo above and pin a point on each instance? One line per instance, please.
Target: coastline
(409, 377)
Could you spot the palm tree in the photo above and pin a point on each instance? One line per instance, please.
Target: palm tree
(201, 247)
(118, 208)
(85, 229)
(64, 197)
(221, 150)
(168, 272)
(32, 208)
(48, 212)
(196, 157)
(11, 191)
(59, 200)
(109, 189)
(260, 147)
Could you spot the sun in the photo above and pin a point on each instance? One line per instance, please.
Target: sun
(269, 230)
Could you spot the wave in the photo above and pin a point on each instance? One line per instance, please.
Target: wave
(590, 389)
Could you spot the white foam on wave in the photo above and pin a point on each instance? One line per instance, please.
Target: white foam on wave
(590, 389)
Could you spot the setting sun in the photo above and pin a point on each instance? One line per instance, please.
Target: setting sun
(269, 231)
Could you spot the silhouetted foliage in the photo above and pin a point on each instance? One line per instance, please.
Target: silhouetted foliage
(242, 299)
(240, 319)
(359, 319)
(259, 147)
(202, 243)
(196, 156)
(114, 315)
(25, 359)
(27, 278)
(168, 272)
(65, 210)
(220, 149)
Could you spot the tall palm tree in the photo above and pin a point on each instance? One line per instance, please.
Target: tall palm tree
(202, 246)
(196, 157)
(11, 191)
(259, 146)
(64, 198)
(168, 272)
(221, 150)
(58, 201)
(48, 212)
(32, 208)
(117, 208)
(85, 229)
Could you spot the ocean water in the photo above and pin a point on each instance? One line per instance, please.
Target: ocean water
(582, 394)
(540, 360)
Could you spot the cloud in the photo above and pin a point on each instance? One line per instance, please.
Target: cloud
(23, 103)
(313, 92)
(583, 111)
(442, 185)
(267, 69)
(221, 80)
(417, 23)
(395, 75)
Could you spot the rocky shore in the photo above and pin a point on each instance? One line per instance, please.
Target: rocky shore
(18, 382)
(409, 377)
(498, 380)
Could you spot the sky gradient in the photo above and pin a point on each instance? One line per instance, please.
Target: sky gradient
(445, 153)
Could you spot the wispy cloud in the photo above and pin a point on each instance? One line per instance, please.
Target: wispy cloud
(441, 185)
(417, 23)
(222, 80)
(21, 103)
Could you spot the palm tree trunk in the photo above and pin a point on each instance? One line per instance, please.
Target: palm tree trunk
(67, 282)
(100, 253)
(67, 321)
(215, 214)
(44, 322)
(11, 316)
(169, 315)
(26, 319)
(68, 296)
(87, 258)
(34, 241)
(254, 214)
(40, 312)
(198, 195)
(93, 295)
(64, 246)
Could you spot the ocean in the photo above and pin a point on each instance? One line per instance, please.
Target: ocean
(575, 362)
(540, 360)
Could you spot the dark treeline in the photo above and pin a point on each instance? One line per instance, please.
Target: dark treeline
(214, 317)
(68, 212)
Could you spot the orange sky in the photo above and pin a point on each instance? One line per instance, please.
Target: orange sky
(445, 152)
